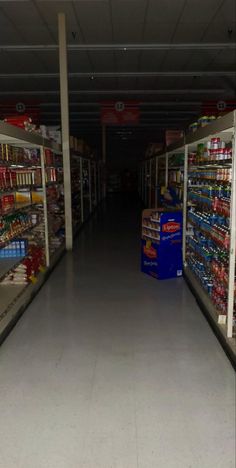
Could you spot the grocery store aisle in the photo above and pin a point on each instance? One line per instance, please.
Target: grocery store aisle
(109, 368)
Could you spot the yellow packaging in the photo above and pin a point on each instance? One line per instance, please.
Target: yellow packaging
(23, 197)
(37, 196)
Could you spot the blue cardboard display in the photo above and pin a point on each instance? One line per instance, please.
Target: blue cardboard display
(161, 243)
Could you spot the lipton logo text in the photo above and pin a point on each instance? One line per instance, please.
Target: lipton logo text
(171, 226)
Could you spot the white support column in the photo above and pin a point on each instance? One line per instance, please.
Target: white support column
(104, 159)
(185, 201)
(156, 181)
(45, 206)
(65, 128)
(232, 253)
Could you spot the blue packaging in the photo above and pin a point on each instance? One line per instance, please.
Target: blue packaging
(162, 257)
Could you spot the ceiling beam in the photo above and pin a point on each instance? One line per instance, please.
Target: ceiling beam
(150, 125)
(141, 104)
(143, 118)
(115, 74)
(143, 111)
(114, 92)
(120, 92)
(121, 47)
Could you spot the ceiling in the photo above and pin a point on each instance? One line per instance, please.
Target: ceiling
(169, 55)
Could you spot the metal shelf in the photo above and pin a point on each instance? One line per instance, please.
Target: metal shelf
(12, 135)
(15, 298)
(225, 128)
(222, 127)
(211, 313)
(6, 264)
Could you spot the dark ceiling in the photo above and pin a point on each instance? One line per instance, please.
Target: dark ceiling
(169, 55)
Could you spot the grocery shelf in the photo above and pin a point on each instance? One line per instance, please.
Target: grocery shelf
(35, 226)
(200, 173)
(10, 134)
(47, 215)
(19, 206)
(17, 235)
(222, 127)
(6, 264)
(175, 168)
(211, 313)
(15, 298)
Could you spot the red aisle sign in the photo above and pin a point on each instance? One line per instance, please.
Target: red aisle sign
(218, 107)
(120, 113)
(18, 108)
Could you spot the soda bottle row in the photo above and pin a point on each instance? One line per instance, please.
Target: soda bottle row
(221, 206)
(214, 151)
(223, 174)
(214, 287)
(219, 297)
(216, 190)
(214, 225)
(220, 270)
(200, 271)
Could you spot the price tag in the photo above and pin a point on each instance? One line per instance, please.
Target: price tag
(222, 319)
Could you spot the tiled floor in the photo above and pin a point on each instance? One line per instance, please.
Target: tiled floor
(109, 368)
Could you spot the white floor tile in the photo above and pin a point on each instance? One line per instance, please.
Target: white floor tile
(109, 368)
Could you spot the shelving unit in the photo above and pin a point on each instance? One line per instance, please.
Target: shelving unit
(175, 176)
(31, 217)
(209, 253)
(206, 177)
(85, 187)
(76, 192)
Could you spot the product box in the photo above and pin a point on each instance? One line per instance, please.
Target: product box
(37, 196)
(6, 203)
(23, 196)
(161, 243)
(54, 133)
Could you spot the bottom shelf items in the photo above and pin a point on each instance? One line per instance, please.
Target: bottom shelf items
(211, 313)
(15, 296)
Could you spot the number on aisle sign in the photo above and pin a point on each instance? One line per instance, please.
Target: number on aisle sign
(221, 105)
(20, 107)
(119, 106)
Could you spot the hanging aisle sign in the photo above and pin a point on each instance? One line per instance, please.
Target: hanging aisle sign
(18, 108)
(218, 107)
(120, 113)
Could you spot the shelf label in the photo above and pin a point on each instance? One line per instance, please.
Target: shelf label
(222, 319)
